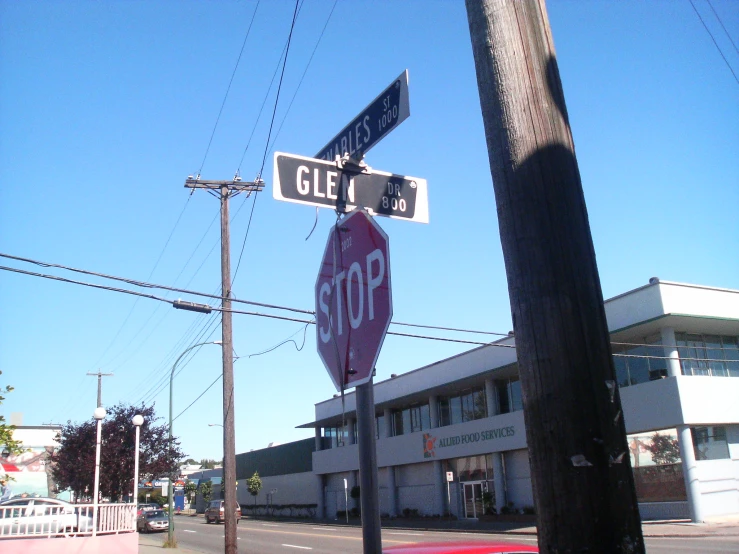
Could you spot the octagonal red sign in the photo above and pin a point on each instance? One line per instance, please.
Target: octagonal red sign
(354, 303)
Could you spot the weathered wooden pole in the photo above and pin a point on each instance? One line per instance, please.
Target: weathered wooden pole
(583, 484)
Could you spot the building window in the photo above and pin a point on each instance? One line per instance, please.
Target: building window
(712, 355)
(467, 406)
(411, 420)
(334, 437)
(509, 395)
(380, 426)
(710, 443)
(641, 363)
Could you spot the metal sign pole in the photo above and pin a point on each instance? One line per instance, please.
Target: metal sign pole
(368, 487)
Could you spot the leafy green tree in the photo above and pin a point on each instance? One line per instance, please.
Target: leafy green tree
(190, 462)
(74, 460)
(6, 438)
(207, 463)
(190, 490)
(664, 449)
(206, 490)
(254, 485)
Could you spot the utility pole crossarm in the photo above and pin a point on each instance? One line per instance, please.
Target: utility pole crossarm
(235, 185)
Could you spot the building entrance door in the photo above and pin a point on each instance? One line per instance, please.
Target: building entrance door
(473, 499)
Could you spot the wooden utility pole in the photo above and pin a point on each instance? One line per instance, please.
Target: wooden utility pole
(227, 189)
(583, 484)
(100, 385)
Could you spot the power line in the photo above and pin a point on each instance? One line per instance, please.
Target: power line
(141, 284)
(269, 136)
(722, 26)
(714, 42)
(218, 118)
(302, 77)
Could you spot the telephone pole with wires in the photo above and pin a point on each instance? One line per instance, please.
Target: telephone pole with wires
(582, 482)
(224, 190)
(100, 385)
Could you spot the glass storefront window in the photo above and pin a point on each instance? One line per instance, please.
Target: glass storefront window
(657, 467)
(640, 363)
(712, 355)
(509, 396)
(467, 406)
(710, 443)
(379, 426)
(411, 420)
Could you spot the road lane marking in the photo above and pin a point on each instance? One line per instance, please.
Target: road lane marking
(324, 529)
(188, 531)
(295, 546)
(342, 537)
(270, 525)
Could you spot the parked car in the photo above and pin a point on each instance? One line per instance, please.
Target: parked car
(152, 520)
(42, 516)
(215, 512)
(462, 547)
(146, 508)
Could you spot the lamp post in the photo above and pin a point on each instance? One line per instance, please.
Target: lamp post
(138, 421)
(223, 466)
(170, 532)
(99, 415)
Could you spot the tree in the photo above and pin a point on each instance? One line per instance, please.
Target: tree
(207, 463)
(254, 485)
(190, 490)
(190, 462)
(74, 461)
(6, 438)
(206, 490)
(664, 449)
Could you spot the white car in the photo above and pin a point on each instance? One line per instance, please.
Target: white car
(41, 516)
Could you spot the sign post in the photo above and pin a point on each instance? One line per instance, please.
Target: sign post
(449, 479)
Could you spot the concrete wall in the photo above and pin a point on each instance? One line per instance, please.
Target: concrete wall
(295, 488)
(474, 438)
(682, 400)
(518, 479)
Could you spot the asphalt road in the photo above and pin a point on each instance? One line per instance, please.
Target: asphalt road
(261, 537)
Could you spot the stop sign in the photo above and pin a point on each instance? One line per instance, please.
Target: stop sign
(353, 299)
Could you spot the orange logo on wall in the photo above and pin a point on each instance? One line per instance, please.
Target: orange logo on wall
(429, 443)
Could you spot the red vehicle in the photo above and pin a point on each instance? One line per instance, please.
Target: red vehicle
(462, 547)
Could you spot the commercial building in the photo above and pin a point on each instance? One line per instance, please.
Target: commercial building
(676, 353)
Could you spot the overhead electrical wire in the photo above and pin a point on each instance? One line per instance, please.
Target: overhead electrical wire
(302, 77)
(269, 136)
(723, 27)
(228, 88)
(710, 34)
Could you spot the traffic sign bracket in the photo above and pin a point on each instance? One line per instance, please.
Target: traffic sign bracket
(347, 163)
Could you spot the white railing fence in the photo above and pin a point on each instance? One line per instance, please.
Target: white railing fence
(40, 519)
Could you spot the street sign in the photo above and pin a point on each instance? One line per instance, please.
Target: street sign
(449, 476)
(354, 303)
(320, 183)
(382, 115)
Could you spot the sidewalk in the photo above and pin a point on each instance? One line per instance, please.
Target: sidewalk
(150, 545)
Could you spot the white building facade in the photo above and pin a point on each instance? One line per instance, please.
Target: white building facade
(676, 353)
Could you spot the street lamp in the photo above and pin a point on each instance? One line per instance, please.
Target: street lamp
(99, 415)
(138, 421)
(170, 532)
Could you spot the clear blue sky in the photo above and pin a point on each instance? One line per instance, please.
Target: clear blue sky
(106, 107)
